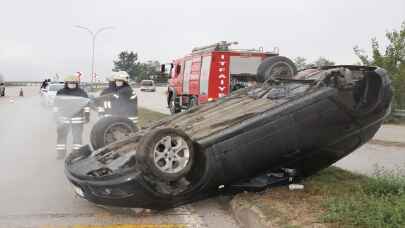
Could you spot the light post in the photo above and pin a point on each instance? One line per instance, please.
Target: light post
(93, 36)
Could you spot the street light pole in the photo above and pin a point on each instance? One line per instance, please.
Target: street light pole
(93, 36)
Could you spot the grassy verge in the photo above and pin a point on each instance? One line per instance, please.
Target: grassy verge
(147, 116)
(336, 198)
(371, 202)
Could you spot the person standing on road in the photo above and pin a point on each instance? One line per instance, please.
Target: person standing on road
(72, 112)
(45, 83)
(120, 99)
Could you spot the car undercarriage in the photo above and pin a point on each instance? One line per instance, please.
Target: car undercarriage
(293, 127)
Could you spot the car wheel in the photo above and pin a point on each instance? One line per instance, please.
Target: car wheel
(166, 153)
(111, 129)
(275, 67)
(174, 108)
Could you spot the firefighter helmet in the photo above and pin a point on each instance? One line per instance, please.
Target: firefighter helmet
(71, 78)
(120, 75)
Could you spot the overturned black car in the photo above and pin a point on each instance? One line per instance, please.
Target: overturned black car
(304, 124)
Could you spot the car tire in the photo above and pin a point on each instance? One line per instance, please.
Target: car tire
(275, 67)
(3, 93)
(111, 129)
(173, 106)
(166, 153)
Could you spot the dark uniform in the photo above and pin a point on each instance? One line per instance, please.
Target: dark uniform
(72, 112)
(119, 101)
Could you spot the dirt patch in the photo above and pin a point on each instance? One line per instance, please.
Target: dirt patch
(281, 207)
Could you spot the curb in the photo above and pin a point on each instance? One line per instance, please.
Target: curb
(248, 215)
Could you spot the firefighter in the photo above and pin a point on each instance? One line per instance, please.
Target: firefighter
(119, 98)
(72, 112)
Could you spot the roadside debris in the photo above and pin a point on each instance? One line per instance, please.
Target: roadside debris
(293, 187)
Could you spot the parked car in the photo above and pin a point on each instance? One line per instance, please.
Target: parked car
(48, 94)
(293, 127)
(148, 85)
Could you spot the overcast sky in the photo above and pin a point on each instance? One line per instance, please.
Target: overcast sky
(38, 38)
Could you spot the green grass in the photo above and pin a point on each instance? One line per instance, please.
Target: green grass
(359, 201)
(147, 116)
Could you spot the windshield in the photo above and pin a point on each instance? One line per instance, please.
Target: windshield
(56, 87)
(147, 83)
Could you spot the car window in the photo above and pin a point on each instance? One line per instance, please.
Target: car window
(56, 87)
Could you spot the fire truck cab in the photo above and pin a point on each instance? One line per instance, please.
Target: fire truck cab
(212, 72)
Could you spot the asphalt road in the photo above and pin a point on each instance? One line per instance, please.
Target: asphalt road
(35, 192)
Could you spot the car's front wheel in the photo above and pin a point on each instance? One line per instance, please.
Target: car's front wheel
(166, 153)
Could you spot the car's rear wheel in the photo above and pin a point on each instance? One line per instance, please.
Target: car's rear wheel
(111, 129)
(166, 153)
(275, 67)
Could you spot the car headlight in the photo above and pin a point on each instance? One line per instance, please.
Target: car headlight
(78, 191)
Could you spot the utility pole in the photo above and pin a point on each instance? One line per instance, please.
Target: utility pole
(93, 37)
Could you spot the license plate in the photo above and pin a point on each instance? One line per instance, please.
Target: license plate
(78, 191)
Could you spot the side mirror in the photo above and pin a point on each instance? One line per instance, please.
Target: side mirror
(163, 68)
(178, 69)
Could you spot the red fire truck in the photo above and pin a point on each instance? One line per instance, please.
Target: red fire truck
(214, 71)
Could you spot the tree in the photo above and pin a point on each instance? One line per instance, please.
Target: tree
(321, 61)
(300, 62)
(127, 61)
(392, 59)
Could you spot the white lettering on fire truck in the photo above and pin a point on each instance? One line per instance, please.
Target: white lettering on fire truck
(222, 77)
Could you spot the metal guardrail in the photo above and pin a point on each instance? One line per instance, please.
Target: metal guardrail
(85, 84)
(23, 83)
(399, 113)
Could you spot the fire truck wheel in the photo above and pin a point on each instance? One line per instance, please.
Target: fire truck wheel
(173, 106)
(110, 129)
(166, 153)
(193, 102)
(275, 67)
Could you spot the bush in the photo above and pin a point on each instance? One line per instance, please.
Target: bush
(378, 202)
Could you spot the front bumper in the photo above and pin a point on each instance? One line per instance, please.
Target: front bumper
(129, 189)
